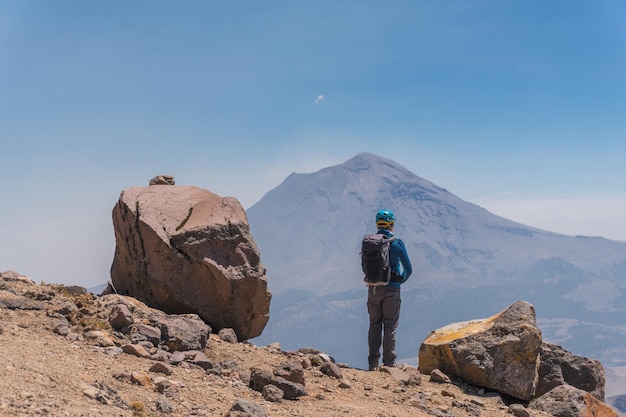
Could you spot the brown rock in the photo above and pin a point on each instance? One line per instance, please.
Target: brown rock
(500, 352)
(291, 371)
(136, 350)
(331, 369)
(161, 368)
(569, 401)
(140, 378)
(120, 317)
(259, 378)
(185, 249)
(183, 332)
(396, 373)
(439, 377)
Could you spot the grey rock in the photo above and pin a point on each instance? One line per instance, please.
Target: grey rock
(272, 393)
(518, 410)
(183, 332)
(163, 405)
(569, 401)
(245, 408)
(331, 369)
(151, 333)
(259, 378)
(500, 352)
(557, 367)
(291, 371)
(437, 376)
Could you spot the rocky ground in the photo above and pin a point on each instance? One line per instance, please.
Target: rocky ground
(45, 373)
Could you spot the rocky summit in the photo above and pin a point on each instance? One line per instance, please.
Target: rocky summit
(68, 352)
(183, 249)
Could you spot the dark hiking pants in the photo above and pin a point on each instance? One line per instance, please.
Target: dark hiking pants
(383, 306)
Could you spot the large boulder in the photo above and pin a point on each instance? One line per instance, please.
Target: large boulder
(569, 401)
(500, 352)
(559, 367)
(183, 249)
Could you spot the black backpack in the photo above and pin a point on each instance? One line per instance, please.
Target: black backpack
(375, 259)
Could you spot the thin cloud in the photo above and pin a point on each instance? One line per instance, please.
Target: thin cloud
(320, 99)
(590, 215)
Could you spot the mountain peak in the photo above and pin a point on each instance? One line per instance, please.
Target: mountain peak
(309, 230)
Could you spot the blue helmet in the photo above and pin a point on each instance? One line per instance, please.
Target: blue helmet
(385, 218)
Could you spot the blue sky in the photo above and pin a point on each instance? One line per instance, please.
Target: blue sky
(517, 106)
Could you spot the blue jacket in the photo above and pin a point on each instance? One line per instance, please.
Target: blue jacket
(397, 257)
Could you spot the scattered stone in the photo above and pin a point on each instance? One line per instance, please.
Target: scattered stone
(245, 408)
(259, 378)
(113, 351)
(182, 332)
(228, 335)
(448, 393)
(140, 378)
(518, 410)
(272, 393)
(122, 375)
(162, 404)
(63, 327)
(332, 370)
(177, 357)
(291, 371)
(104, 394)
(120, 317)
(202, 361)
(569, 401)
(345, 384)
(396, 373)
(161, 368)
(136, 350)
(164, 386)
(437, 376)
(161, 356)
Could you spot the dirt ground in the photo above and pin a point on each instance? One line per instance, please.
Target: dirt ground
(43, 373)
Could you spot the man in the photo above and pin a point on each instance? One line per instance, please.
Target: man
(383, 302)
